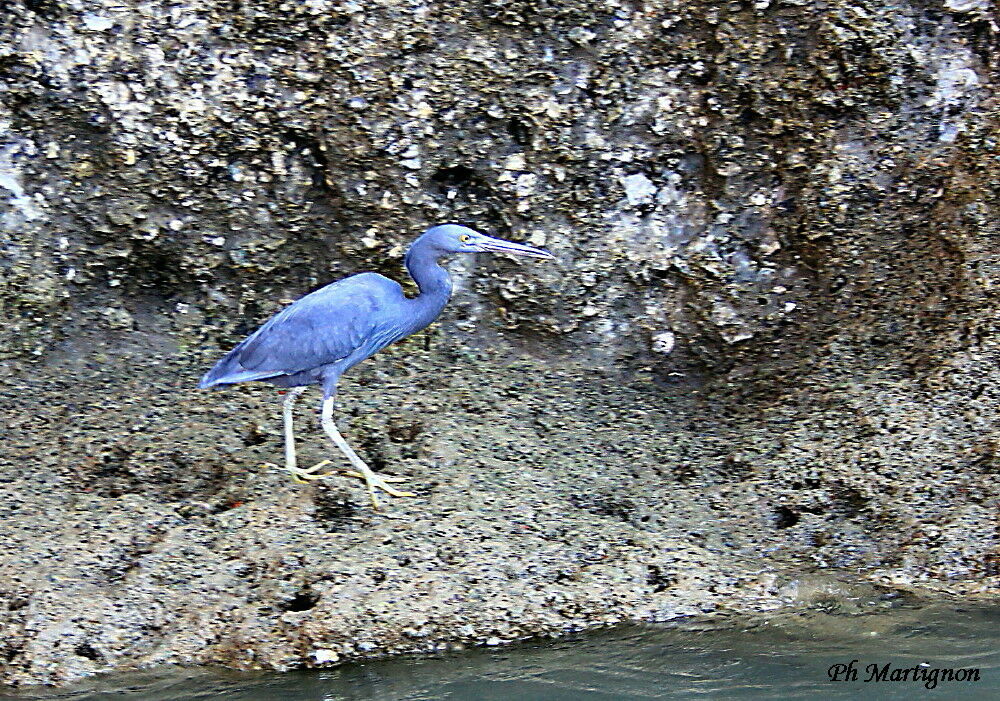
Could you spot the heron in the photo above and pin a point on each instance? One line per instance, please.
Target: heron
(322, 335)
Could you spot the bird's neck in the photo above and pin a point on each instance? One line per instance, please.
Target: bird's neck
(432, 279)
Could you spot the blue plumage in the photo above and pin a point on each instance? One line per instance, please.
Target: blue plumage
(327, 330)
(319, 337)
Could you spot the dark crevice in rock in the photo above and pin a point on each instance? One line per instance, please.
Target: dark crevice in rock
(785, 517)
(85, 649)
(302, 601)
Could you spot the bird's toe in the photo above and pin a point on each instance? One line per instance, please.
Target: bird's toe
(361, 476)
(318, 466)
(304, 476)
(384, 486)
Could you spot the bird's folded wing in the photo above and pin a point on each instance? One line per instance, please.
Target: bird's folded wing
(319, 329)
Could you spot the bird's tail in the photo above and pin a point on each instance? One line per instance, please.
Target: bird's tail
(214, 377)
(228, 371)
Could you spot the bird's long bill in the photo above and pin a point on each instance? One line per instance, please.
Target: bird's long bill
(500, 246)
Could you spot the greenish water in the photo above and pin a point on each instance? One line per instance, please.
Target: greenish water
(786, 657)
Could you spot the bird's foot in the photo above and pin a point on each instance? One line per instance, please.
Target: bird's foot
(374, 481)
(304, 475)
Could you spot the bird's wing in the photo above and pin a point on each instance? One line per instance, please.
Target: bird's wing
(321, 328)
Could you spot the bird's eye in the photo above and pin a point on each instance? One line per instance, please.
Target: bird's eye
(464, 238)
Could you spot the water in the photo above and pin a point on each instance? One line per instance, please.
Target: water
(787, 657)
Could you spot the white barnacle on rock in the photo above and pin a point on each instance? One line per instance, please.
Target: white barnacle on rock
(664, 342)
(97, 23)
(525, 185)
(411, 157)
(324, 655)
(968, 5)
(769, 245)
(638, 189)
(422, 110)
(582, 35)
(23, 207)
(515, 161)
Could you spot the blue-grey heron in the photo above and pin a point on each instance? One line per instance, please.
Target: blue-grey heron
(318, 338)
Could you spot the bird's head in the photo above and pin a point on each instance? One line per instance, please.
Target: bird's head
(452, 238)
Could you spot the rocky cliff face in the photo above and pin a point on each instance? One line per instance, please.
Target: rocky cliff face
(777, 220)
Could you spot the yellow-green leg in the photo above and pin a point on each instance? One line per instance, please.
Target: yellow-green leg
(300, 475)
(362, 471)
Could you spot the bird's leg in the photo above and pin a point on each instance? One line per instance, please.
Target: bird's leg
(287, 407)
(298, 474)
(372, 480)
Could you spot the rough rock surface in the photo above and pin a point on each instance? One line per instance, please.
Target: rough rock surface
(768, 345)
